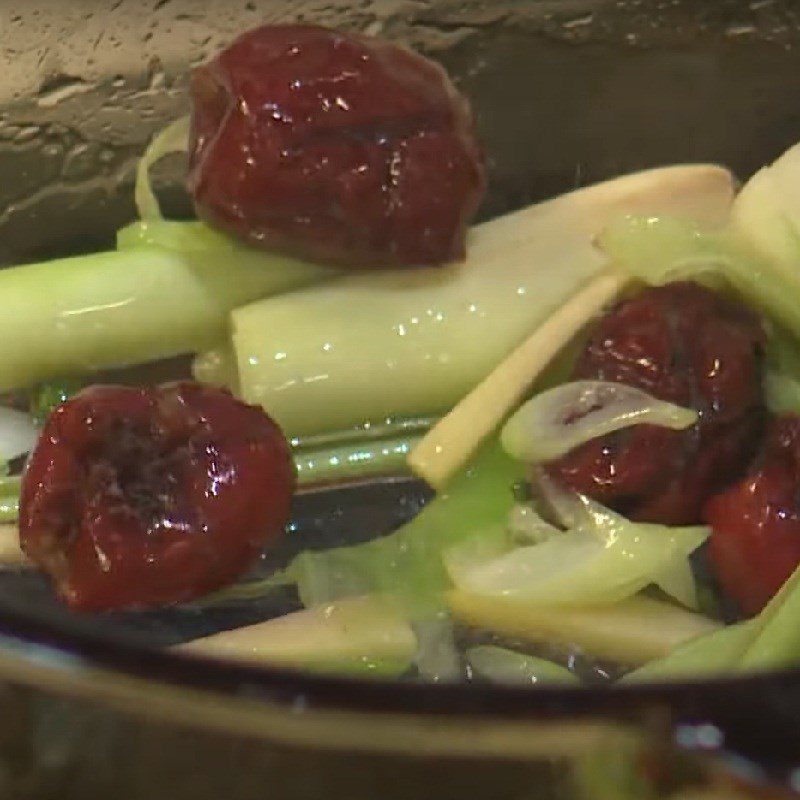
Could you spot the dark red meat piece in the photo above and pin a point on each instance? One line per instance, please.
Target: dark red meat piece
(334, 146)
(689, 345)
(755, 539)
(141, 497)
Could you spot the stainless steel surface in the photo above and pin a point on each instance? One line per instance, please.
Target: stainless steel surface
(566, 92)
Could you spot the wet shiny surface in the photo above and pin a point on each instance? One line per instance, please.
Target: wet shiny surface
(140, 497)
(334, 146)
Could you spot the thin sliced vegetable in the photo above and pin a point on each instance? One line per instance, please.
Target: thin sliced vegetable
(526, 526)
(605, 559)
(410, 342)
(724, 651)
(678, 582)
(449, 445)
(18, 433)
(556, 421)
(437, 659)
(173, 139)
(349, 460)
(363, 636)
(710, 654)
(632, 631)
(499, 665)
(777, 644)
(407, 564)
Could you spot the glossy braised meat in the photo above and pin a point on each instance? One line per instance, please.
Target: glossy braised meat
(334, 146)
(689, 345)
(139, 497)
(755, 540)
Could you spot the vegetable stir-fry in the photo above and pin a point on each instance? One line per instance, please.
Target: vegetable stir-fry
(603, 389)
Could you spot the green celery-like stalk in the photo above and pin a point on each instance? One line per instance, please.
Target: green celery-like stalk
(386, 343)
(354, 460)
(75, 315)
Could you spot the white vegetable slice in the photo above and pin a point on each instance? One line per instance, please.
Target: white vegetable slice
(556, 421)
(18, 433)
(173, 139)
(602, 561)
(360, 634)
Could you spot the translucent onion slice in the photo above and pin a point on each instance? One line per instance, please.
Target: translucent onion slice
(554, 422)
(604, 559)
(527, 526)
(173, 139)
(18, 433)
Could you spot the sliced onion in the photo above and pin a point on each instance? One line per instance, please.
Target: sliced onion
(556, 421)
(604, 558)
(173, 139)
(527, 526)
(18, 433)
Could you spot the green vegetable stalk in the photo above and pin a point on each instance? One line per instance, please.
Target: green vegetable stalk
(406, 342)
(76, 315)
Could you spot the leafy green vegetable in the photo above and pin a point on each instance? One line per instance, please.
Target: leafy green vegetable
(737, 647)
(777, 644)
(499, 665)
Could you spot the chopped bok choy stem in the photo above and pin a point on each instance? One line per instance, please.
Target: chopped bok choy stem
(360, 635)
(558, 420)
(445, 328)
(77, 315)
(499, 665)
